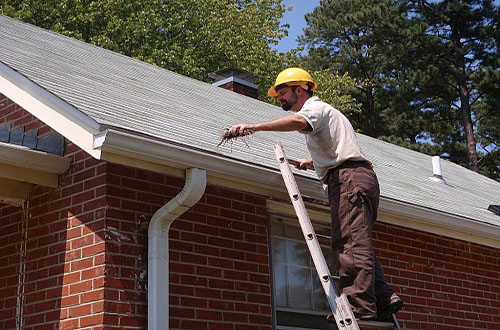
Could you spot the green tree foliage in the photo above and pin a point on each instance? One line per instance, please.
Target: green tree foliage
(192, 38)
(334, 89)
(428, 71)
(355, 36)
(456, 70)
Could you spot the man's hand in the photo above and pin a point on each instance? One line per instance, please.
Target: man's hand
(305, 164)
(242, 129)
(302, 164)
(283, 124)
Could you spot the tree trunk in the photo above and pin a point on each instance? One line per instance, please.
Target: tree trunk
(469, 129)
(464, 101)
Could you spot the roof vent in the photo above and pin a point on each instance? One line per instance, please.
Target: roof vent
(236, 80)
(436, 170)
(494, 208)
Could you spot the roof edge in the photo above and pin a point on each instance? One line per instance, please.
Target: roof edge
(19, 163)
(160, 152)
(438, 218)
(49, 108)
(25, 157)
(181, 157)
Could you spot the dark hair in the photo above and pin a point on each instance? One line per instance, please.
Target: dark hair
(310, 92)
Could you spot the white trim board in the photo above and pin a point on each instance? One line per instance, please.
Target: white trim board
(116, 144)
(56, 113)
(20, 163)
(388, 213)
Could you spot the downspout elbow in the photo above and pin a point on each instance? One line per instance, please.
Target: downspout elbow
(196, 181)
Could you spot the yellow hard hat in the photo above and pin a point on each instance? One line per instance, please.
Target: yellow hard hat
(292, 77)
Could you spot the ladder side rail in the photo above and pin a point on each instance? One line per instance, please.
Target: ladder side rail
(339, 305)
(306, 226)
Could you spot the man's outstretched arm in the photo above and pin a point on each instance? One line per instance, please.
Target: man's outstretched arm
(283, 124)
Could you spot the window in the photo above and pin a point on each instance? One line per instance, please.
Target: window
(299, 299)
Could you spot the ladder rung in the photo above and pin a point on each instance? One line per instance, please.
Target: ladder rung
(377, 324)
(315, 200)
(339, 304)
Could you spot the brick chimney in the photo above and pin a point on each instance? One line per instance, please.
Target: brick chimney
(236, 80)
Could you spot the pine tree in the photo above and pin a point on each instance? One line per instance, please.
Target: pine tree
(456, 64)
(428, 71)
(355, 37)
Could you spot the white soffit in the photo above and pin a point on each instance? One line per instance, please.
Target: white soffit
(56, 113)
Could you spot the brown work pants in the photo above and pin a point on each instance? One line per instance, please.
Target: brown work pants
(353, 195)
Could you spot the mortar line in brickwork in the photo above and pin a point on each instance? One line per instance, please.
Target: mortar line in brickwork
(22, 264)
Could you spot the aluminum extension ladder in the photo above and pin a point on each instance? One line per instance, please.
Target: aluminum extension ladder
(339, 305)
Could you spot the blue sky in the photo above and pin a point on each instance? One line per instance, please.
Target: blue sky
(295, 18)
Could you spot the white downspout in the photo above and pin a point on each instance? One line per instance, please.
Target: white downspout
(196, 181)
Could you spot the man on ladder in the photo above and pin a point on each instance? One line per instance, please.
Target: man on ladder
(353, 190)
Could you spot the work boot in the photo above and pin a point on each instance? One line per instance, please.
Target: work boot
(391, 306)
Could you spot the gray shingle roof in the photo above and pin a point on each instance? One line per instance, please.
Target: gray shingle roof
(122, 92)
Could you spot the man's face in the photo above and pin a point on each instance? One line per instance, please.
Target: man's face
(288, 97)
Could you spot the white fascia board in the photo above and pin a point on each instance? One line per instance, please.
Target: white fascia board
(177, 156)
(23, 164)
(132, 146)
(50, 109)
(438, 218)
(25, 157)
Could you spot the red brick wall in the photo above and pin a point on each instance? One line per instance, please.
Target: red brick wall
(219, 274)
(445, 283)
(86, 257)
(12, 113)
(87, 254)
(86, 250)
(241, 89)
(53, 244)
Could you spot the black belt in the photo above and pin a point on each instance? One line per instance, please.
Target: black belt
(349, 164)
(353, 164)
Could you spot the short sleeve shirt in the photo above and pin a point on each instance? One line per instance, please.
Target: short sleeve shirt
(332, 140)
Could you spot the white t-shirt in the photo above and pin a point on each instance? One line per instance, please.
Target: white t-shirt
(332, 140)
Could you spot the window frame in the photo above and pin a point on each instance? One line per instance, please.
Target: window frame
(321, 224)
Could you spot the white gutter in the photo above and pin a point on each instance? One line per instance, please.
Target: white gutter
(196, 181)
(20, 163)
(438, 218)
(114, 142)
